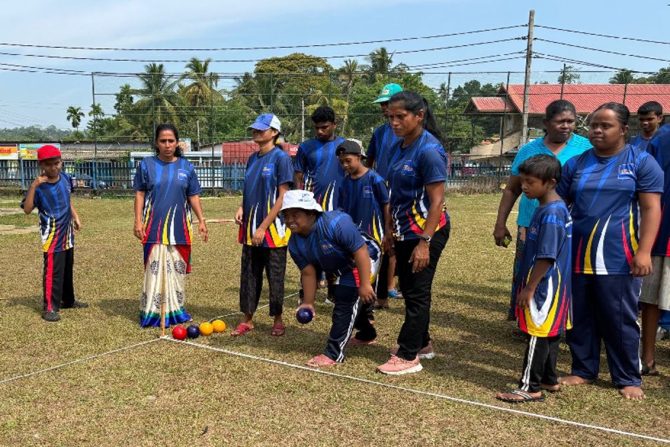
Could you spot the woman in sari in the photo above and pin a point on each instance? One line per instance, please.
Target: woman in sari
(166, 190)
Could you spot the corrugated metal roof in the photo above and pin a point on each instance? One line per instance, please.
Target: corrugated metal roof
(585, 97)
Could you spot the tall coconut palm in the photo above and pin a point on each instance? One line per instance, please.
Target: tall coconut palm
(158, 97)
(74, 116)
(348, 74)
(202, 88)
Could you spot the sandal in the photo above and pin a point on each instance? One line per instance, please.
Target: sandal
(522, 397)
(649, 370)
(381, 305)
(241, 329)
(321, 361)
(278, 330)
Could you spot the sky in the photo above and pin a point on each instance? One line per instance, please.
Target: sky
(42, 98)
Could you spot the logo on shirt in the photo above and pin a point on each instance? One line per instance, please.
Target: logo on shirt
(407, 169)
(532, 232)
(626, 171)
(268, 170)
(367, 192)
(182, 175)
(326, 247)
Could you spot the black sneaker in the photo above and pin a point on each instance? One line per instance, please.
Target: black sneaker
(51, 316)
(76, 305)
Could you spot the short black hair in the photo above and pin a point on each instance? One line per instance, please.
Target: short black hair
(557, 107)
(323, 114)
(650, 107)
(620, 110)
(544, 167)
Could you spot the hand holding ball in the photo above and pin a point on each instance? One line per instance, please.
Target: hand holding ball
(304, 315)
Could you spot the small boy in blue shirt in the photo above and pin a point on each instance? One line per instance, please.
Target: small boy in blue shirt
(50, 194)
(544, 294)
(364, 197)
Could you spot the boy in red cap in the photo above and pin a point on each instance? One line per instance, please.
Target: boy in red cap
(50, 194)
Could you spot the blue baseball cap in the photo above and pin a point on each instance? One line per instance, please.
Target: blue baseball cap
(266, 121)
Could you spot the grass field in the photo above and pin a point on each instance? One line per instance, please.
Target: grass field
(164, 392)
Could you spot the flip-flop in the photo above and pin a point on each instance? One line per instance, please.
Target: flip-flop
(241, 329)
(278, 330)
(649, 370)
(525, 397)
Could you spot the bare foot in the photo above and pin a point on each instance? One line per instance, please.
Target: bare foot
(632, 392)
(573, 380)
(551, 388)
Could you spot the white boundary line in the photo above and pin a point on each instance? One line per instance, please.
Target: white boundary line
(72, 362)
(420, 392)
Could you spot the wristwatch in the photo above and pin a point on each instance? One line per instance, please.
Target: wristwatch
(426, 238)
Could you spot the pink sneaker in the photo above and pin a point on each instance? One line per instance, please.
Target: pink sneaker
(321, 361)
(397, 366)
(426, 353)
(353, 341)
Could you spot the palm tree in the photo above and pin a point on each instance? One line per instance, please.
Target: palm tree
(74, 116)
(348, 74)
(202, 88)
(158, 97)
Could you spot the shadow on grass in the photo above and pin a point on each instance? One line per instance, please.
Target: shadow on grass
(34, 303)
(129, 308)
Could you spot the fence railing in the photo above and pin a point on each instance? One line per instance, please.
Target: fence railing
(215, 176)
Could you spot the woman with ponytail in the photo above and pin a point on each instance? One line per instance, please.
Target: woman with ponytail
(419, 227)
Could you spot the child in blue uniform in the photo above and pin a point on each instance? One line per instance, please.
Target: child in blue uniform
(262, 232)
(364, 197)
(331, 242)
(613, 192)
(544, 295)
(50, 194)
(655, 296)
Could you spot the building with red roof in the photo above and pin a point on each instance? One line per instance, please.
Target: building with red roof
(586, 98)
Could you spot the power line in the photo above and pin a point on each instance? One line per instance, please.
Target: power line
(275, 47)
(602, 51)
(105, 59)
(490, 56)
(473, 63)
(609, 36)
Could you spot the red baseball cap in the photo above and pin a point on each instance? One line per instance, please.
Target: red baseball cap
(48, 151)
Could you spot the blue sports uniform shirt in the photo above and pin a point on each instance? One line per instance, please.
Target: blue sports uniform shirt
(640, 141)
(321, 170)
(363, 199)
(576, 145)
(52, 201)
(167, 213)
(549, 237)
(659, 148)
(329, 247)
(602, 194)
(412, 168)
(262, 178)
(381, 144)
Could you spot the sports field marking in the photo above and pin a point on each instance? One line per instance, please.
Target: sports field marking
(73, 362)
(421, 392)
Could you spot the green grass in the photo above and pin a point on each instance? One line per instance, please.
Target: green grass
(163, 392)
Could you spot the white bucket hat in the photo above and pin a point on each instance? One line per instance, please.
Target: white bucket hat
(302, 199)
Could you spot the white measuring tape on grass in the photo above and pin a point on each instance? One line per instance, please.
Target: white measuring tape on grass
(421, 392)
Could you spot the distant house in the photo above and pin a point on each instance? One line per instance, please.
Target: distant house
(239, 151)
(586, 98)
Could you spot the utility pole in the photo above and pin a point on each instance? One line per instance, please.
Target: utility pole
(526, 82)
(95, 138)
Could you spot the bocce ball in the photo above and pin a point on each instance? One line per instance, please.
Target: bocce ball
(193, 331)
(304, 315)
(206, 328)
(218, 325)
(179, 333)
